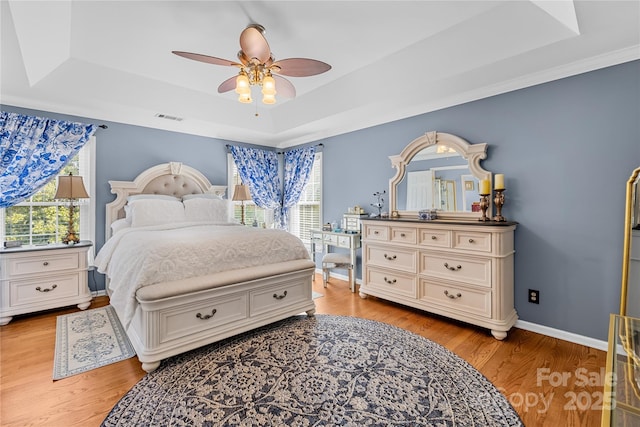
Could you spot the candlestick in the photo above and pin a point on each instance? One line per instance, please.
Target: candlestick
(499, 182)
(484, 205)
(499, 202)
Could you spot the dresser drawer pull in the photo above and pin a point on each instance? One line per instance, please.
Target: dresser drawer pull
(390, 258)
(39, 289)
(458, 295)
(45, 263)
(434, 238)
(206, 316)
(376, 232)
(471, 240)
(276, 296)
(402, 235)
(391, 282)
(456, 268)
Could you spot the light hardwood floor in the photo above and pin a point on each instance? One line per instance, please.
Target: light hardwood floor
(546, 379)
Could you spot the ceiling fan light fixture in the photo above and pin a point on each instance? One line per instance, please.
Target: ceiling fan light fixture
(245, 98)
(242, 84)
(268, 85)
(268, 99)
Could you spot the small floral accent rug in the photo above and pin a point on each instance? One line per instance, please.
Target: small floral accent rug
(87, 340)
(316, 371)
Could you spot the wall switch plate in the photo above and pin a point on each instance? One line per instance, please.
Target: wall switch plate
(534, 296)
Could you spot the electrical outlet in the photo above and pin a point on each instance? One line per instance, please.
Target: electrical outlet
(534, 296)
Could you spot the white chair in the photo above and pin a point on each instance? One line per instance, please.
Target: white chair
(336, 260)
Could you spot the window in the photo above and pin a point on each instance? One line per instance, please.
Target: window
(302, 217)
(307, 213)
(42, 219)
(252, 212)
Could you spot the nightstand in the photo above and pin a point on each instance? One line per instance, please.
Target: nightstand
(34, 278)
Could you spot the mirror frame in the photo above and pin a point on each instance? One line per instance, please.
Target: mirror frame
(626, 248)
(473, 153)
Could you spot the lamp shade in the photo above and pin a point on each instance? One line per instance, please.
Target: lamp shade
(70, 187)
(241, 193)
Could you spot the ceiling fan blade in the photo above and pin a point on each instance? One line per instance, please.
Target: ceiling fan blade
(227, 85)
(300, 67)
(206, 58)
(284, 87)
(253, 43)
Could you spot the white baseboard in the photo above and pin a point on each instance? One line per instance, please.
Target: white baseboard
(533, 327)
(563, 335)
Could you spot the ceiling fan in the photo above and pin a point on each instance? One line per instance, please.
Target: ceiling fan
(259, 67)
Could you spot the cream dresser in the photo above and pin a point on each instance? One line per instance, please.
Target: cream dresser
(459, 269)
(42, 277)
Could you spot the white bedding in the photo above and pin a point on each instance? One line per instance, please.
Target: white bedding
(141, 256)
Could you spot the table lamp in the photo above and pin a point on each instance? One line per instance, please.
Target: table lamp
(71, 188)
(241, 193)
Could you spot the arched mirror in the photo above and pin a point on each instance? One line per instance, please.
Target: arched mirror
(630, 289)
(438, 171)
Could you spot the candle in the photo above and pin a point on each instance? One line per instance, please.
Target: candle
(485, 186)
(499, 182)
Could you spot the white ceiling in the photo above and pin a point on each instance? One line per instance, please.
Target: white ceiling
(112, 60)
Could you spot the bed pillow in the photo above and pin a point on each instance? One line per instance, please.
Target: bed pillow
(119, 225)
(208, 209)
(153, 211)
(151, 196)
(201, 196)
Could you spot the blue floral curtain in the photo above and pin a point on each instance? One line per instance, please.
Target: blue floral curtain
(259, 170)
(297, 169)
(33, 150)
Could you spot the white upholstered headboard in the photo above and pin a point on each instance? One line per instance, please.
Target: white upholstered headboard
(172, 178)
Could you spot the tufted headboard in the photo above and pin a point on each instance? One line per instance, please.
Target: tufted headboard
(172, 178)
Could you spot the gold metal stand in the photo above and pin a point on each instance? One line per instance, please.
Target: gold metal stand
(498, 200)
(71, 236)
(484, 205)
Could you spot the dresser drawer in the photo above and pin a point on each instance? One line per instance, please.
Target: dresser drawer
(391, 281)
(330, 239)
(404, 235)
(193, 318)
(375, 232)
(467, 269)
(391, 257)
(472, 241)
(434, 238)
(464, 300)
(40, 290)
(43, 264)
(269, 300)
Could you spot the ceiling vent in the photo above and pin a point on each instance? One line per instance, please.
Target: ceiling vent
(168, 117)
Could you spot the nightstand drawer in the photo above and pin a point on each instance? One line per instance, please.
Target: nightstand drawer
(43, 264)
(34, 291)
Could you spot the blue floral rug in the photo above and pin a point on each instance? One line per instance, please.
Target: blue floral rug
(316, 371)
(87, 340)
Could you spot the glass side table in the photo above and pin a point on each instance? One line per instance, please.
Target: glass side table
(621, 406)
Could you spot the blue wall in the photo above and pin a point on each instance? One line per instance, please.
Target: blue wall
(566, 148)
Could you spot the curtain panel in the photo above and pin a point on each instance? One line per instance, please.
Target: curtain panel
(297, 170)
(33, 150)
(259, 170)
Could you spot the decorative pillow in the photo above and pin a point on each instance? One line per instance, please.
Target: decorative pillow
(120, 224)
(208, 209)
(201, 196)
(151, 196)
(155, 211)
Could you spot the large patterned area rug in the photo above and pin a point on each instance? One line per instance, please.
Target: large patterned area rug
(87, 340)
(316, 371)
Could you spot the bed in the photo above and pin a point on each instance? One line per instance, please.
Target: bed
(181, 274)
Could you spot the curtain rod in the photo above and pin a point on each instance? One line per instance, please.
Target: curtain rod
(279, 152)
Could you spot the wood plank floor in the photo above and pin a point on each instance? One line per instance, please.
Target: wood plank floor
(550, 382)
